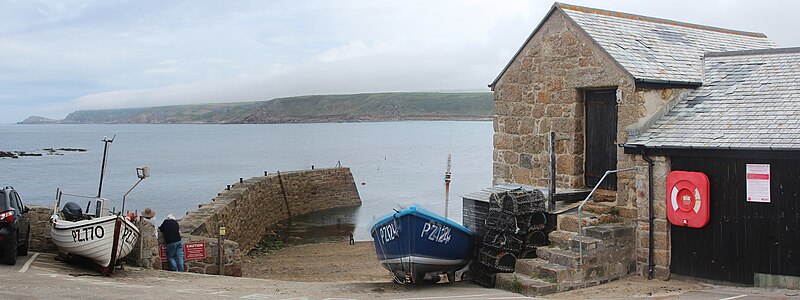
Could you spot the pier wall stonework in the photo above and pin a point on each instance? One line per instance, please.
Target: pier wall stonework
(247, 210)
(250, 207)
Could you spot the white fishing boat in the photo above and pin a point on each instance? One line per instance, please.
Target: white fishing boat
(102, 240)
(103, 236)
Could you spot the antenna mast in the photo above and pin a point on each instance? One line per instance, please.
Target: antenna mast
(447, 185)
(103, 167)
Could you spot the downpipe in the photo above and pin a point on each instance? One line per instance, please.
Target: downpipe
(651, 215)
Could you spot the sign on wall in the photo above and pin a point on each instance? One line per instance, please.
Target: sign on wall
(191, 251)
(758, 183)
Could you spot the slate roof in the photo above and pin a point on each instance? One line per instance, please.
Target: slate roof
(651, 49)
(658, 50)
(749, 100)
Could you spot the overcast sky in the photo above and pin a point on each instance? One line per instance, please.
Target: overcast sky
(60, 56)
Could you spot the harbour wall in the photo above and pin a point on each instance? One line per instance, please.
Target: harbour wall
(247, 209)
(251, 206)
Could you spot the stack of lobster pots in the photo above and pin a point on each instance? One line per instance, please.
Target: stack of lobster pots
(517, 223)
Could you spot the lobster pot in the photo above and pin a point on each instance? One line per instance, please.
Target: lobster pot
(499, 221)
(475, 215)
(504, 241)
(482, 275)
(536, 239)
(529, 253)
(499, 260)
(519, 202)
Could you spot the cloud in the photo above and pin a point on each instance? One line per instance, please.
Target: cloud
(62, 56)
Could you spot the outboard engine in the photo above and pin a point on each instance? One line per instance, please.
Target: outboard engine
(72, 212)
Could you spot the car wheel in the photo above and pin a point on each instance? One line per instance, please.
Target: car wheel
(10, 256)
(23, 249)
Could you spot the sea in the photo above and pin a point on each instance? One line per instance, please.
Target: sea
(394, 164)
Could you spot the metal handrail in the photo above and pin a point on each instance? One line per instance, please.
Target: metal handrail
(580, 209)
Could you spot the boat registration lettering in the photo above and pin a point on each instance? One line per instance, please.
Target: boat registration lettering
(88, 233)
(388, 233)
(129, 236)
(435, 232)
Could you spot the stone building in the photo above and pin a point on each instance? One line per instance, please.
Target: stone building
(618, 89)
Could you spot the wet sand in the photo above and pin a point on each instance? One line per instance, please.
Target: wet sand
(320, 262)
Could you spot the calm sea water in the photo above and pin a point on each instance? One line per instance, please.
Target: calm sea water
(401, 163)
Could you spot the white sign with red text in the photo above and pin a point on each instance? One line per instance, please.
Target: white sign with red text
(758, 183)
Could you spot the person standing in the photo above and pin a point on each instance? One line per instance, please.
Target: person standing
(174, 245)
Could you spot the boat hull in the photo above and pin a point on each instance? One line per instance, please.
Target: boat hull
(102, 240)
(418, 244)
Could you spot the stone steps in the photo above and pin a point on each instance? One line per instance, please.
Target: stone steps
(560, 238)
(560, 266)
(525, 284)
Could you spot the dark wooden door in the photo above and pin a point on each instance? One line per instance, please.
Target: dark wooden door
(601, 136)
(741, 238)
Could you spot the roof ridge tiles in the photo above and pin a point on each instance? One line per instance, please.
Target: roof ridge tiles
(788, 50)
(655, 20)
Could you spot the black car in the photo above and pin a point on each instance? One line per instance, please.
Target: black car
(14, 226)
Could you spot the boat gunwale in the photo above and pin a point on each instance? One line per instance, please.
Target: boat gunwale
(415, 210)
(73, 226)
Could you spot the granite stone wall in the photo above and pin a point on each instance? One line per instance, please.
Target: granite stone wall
(542, 91)
(661, 229)
(249, 207)
(40, 229)
(246, 211)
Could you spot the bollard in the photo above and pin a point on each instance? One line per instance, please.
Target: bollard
(221, 247)
(265, 173)
(312, 167)
(241, 180)
(228, 188)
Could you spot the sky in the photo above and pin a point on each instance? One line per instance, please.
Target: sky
(65, 55)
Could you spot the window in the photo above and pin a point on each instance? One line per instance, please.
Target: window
(14, 199)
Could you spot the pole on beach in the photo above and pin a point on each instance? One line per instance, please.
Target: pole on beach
(103, 167)
(447, 185)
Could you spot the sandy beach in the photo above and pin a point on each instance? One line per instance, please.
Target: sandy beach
(322, 262)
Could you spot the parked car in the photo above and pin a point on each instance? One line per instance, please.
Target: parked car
(14, 226)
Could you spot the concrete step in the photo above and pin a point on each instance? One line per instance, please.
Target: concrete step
(523, 284)
(560, 238)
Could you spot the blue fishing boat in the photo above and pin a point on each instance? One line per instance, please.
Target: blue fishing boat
(417, 245)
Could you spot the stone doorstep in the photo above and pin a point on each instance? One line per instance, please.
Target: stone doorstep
(523, 284)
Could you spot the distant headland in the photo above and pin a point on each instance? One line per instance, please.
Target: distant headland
(369, 107)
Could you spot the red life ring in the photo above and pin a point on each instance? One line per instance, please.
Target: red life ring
(688, 199)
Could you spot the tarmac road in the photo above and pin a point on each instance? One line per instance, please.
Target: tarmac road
(40, 276)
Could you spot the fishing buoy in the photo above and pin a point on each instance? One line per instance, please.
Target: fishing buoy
(363, 183)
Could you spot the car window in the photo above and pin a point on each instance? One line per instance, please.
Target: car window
(14, 200)
(19, 201)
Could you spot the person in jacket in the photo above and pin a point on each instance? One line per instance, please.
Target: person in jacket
(174, 245)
